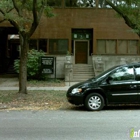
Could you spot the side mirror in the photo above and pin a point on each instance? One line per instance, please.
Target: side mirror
(108, 80)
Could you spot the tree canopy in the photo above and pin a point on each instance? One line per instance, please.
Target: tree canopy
(129, 10)
(25, 16)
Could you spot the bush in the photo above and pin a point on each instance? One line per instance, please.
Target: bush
(33, 65)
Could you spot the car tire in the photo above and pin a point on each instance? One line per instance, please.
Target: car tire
(94, 102)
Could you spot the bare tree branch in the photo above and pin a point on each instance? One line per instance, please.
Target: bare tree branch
(9, 10)
(2, 20)
(16, 7)
(41, 10)
(1, 11)
(35, 18)
(14, 24)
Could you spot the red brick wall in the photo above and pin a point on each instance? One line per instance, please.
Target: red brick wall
(105, 23)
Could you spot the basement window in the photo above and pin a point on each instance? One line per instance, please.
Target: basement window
(33, 44)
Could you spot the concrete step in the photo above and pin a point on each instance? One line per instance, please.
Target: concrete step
(82, 72)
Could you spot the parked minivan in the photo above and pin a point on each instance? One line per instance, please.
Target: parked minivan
(118, 85)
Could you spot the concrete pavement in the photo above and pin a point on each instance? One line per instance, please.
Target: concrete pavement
(65, 88)
(12, 84)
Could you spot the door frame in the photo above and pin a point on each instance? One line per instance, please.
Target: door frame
(87, 48)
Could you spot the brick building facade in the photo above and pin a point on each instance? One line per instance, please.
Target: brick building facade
(93, 36)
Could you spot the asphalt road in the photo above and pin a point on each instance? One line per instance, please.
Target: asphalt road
(69, 124)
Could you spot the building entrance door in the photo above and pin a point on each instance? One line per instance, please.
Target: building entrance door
(81, 51)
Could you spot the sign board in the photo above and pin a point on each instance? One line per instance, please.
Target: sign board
(47, 64)
(47, 70)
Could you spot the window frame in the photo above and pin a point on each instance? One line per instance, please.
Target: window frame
(58, 52)
(116, 50)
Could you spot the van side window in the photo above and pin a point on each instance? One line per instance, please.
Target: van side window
(123, 74)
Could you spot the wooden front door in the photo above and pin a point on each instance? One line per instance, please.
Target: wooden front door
(81, 52)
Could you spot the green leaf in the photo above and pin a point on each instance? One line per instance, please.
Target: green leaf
(132, 133)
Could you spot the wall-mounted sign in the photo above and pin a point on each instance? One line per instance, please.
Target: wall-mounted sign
(47, 61)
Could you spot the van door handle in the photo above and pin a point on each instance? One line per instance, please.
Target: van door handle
(133, 86)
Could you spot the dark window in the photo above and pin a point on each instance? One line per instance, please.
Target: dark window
(54, 3)
(43, 45)
(71, 3)
(33, 44)
(58, 46)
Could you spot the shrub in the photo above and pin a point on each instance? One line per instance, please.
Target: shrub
(33, 65)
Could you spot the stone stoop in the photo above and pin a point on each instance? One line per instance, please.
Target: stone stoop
(82, 72)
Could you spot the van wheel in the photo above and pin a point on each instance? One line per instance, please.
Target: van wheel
(94, 102)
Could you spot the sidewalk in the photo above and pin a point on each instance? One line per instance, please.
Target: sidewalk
(37, 88)
(12, 84)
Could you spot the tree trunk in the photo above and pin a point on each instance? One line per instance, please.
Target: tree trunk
(63, 3)
(139, 45)
(23, 65)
